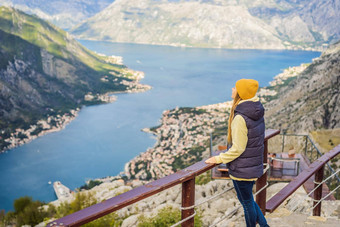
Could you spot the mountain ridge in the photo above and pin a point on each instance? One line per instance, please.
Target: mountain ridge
(242, 24)
(64, 14)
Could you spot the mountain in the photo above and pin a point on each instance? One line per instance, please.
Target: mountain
(44, 72)
(259, 24)
(302, 22)
(63, 13)
(311, 100)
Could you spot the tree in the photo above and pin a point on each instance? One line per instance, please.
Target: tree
(28, 212)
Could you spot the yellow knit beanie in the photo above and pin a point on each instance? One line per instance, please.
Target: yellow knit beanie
(247, 88)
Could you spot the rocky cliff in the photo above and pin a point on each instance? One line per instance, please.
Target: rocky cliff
(44, 72)
(259, 24)
(311, 100)
(62, 13)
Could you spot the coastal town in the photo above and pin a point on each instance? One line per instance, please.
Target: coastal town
(181, 131)
(43, 127)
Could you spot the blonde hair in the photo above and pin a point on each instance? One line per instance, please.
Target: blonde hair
(237, 99)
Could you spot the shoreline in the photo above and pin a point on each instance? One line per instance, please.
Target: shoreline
(179, 45)
(57, 123)
(60, 121)
(130, 79)
(182, 131)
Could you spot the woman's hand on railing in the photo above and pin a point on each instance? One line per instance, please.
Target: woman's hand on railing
(211, 160)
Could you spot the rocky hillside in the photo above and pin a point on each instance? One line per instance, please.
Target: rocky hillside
(310, 100)
(44, 72)
(62, 13)
(259, 24)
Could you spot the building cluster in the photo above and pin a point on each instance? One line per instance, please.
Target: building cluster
(288, 73)
(134, 86)
(181, 129)
(51, 124)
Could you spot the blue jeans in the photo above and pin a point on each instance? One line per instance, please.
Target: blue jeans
(252, 212)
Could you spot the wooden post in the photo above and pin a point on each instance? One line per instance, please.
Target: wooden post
(306, 144)
(261, 182)
(188, 200)
(318, 191)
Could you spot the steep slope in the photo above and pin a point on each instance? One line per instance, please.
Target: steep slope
(186, 23)
(260, 24)
(311, 100)
(62, 13)
(44, 72)
(303, 22)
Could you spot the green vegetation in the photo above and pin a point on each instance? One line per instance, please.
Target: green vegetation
(112, 220)
(153, 129)
(26, 212)
(29, 212)
(82, 200)
(91, 184)
(204, 178)
(327, 139)
(166, 217)
(192, 156)
(277, 88)
(49, 37)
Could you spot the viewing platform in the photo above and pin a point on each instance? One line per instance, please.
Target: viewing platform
(281, 169)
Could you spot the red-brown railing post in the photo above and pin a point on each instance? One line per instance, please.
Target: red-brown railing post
(188, 200)
(318, 191)
(262, 182)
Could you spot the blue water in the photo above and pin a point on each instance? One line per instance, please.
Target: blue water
(104, 137)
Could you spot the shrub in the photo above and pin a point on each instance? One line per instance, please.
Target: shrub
(166, 217)
(81, 201)
(91, 184)
(204, 178)
(27, 212)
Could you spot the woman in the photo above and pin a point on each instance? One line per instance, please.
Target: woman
(245, 157)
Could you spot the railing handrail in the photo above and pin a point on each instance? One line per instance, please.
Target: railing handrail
(316, 148)
(308, 137)
(118, 202)
(289, 189)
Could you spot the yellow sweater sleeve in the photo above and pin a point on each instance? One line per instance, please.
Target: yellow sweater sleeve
(239, 133)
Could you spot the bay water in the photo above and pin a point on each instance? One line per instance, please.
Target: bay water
(104, 137)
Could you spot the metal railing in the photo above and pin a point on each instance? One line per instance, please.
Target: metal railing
(312, 152)
(186, 177)
(316, 168)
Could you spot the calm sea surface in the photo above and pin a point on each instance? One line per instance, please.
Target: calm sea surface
(104, 137)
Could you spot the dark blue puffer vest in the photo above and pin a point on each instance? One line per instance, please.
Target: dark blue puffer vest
(250, 163)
